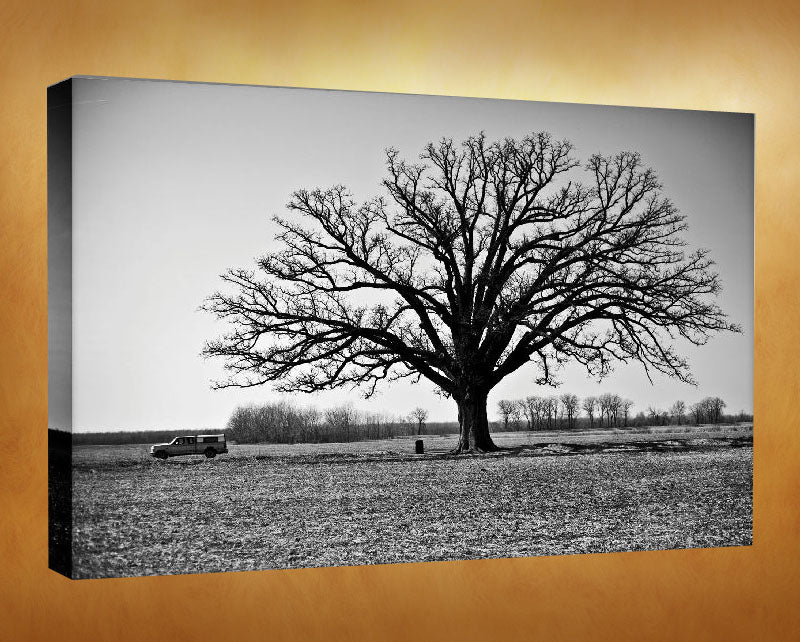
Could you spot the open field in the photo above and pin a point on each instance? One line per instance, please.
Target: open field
(303, 505)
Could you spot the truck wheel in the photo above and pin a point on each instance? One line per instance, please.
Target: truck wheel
(162, 454)
(210, 453)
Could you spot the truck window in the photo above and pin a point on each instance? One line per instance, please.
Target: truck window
(190, 440)
(178, 441)
(210, 440)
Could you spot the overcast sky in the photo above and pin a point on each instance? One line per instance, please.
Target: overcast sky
(175, 182)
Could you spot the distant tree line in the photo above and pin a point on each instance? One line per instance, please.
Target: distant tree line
(117, 438)
(287, 422)
(607, 410)
(554, 412)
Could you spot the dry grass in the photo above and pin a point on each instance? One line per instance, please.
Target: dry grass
(373, 503)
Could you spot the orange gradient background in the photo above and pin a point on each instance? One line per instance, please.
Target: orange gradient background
(736, 56)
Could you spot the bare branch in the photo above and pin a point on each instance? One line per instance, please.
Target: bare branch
(478, 259)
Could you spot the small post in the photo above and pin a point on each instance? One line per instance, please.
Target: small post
(419, 447)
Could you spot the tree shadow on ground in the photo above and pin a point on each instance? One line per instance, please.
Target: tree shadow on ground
(537, 450)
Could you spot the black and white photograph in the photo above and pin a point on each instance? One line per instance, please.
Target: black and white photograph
(294, 328)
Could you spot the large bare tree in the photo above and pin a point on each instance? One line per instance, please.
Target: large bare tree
(479, 259)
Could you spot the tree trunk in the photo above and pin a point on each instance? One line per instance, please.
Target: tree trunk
(474, 424)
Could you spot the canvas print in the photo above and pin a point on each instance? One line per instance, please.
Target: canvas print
(295, 328)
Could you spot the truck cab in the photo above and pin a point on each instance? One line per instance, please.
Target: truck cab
(208, 445)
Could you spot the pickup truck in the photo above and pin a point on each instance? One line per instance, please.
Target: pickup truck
(208, 445)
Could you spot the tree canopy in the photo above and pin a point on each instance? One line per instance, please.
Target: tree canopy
(476, 260)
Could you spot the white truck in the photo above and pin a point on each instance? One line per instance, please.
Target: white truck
(208, 445)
